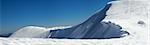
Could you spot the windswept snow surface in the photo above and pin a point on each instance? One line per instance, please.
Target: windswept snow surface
(134, 17)
(34, 32)
(126, 13)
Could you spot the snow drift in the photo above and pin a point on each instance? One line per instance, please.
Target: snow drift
(92, 28)
(34, 32)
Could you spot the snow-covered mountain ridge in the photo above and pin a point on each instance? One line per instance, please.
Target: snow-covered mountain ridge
(132, 15)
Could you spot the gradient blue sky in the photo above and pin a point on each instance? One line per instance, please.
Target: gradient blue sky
(19, 13)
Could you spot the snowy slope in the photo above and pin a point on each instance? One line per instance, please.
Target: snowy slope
(128, 14)
(132, 15)
(34, 32)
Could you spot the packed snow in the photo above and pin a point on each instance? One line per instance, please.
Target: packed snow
(132, 15)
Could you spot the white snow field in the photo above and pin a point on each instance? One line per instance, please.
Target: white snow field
(132, 15)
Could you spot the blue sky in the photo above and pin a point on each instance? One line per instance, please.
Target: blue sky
(19, 13)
